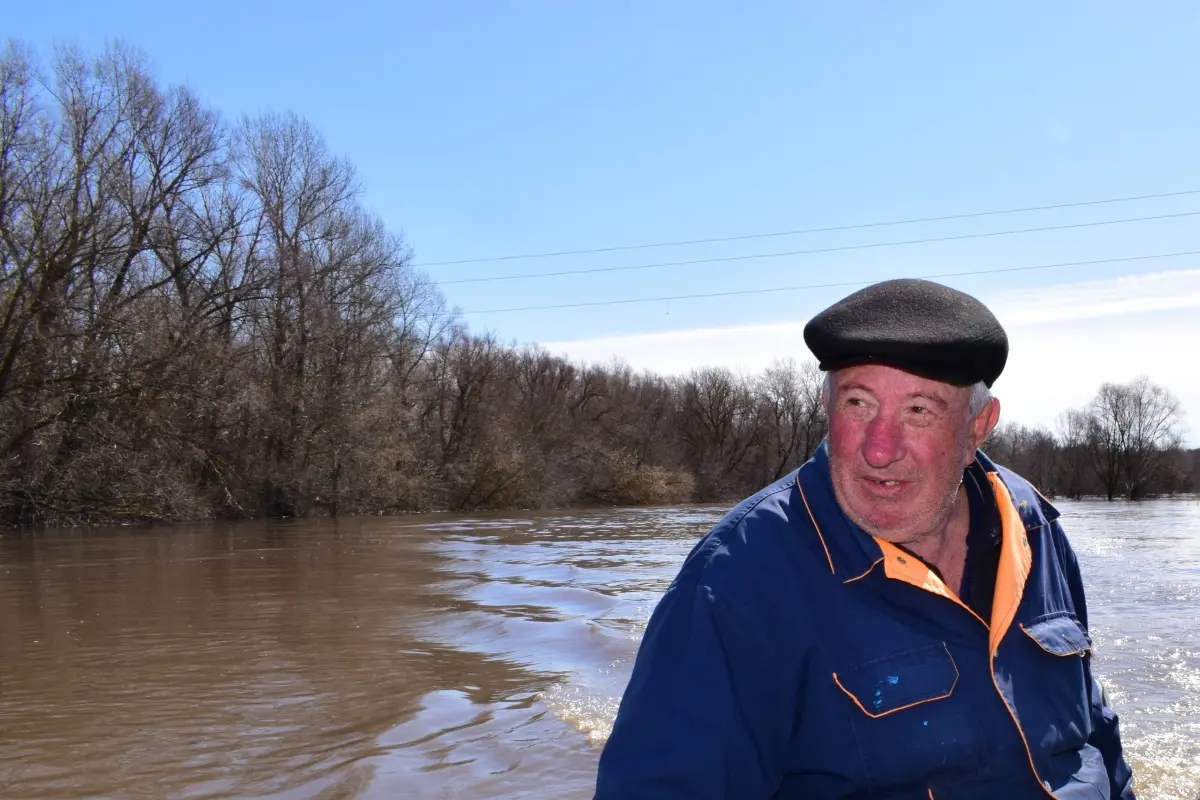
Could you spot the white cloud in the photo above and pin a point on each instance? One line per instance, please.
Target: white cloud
(1130, 294)
(1065, 341)
(1059, 365)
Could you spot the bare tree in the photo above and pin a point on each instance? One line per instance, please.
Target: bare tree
(1132, 428)
(720, 428)
(793, 413)
(1154, 432)
(1032, 452)
(1109, 423)
(100, 172)
(1074, 429)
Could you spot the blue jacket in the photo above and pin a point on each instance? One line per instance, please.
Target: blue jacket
(794, 656)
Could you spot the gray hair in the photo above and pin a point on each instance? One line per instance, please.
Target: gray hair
(981, 395)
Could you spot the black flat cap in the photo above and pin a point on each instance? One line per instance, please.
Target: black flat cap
(914, 325)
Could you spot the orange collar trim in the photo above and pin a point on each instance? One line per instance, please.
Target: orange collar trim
(1016, 562)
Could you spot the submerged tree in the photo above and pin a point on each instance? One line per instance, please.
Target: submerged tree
(1072, 465)
(1133, 427)
(1155, 431)
(192, 319)
(791, 398)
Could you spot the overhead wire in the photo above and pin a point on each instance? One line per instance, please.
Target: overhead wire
(813, 251)
(838, 284)
(803, 231)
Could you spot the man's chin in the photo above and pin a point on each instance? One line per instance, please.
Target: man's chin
(890, 527)
(890, 520)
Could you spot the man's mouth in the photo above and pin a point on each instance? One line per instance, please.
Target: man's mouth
(886, 485)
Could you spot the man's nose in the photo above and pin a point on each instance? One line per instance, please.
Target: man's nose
(884, 442)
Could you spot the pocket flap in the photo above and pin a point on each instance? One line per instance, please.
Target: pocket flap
(902, 680)
(1061, 634)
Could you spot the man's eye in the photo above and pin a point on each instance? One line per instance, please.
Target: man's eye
(919, 409)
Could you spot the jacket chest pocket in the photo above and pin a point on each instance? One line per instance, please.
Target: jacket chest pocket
(911, 724)
(1062, 714)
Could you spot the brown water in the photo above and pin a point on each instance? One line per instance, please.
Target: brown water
(441, 657)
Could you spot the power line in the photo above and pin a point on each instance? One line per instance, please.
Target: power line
(827, 285)
(802, 231)
(841, 248)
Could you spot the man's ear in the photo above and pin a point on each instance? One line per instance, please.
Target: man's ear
(984, 423)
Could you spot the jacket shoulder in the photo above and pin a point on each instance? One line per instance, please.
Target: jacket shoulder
(1038, 514)
(752, 535)
(1035, 509)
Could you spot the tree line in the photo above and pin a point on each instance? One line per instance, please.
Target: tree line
(200, 318)
(1126, 443)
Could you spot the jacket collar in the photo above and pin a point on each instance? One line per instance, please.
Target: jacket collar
(849, 549)
(851, 552)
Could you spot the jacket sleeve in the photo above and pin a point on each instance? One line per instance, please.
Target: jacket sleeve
(1106, 728)
(705, 714)
(1106, 737)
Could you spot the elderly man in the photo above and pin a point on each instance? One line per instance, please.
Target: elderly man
(899, 618)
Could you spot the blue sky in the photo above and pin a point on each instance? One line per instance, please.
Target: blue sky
(487, 129)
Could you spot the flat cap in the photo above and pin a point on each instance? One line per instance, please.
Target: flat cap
(915, 325)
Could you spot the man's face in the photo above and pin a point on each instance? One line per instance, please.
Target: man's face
(898, 444)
